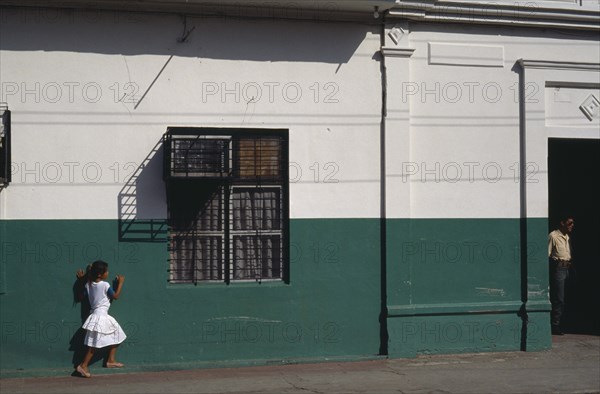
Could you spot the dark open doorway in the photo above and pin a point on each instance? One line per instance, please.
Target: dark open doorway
(573, 188)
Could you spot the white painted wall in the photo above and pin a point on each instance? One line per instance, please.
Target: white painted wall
(464, 131)
(74, 149)
(452, 127)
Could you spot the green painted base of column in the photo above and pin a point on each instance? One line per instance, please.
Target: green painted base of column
(539, 336)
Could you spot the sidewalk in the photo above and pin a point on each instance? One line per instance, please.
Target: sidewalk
(572, 366)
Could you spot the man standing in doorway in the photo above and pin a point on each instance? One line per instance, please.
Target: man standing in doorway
(559, 253)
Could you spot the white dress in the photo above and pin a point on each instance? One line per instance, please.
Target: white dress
(101, 328)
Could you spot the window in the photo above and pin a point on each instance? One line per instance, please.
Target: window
(227, 197)
(5, 171)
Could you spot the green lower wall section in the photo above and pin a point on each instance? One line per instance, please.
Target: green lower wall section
(472, 332)
(452, 285)
(330, 308)
(456, 285)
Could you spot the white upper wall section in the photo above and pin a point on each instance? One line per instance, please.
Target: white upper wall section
(90, 100)
(462, 105)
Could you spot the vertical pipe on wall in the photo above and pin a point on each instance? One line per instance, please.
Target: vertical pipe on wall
(383, 333)
(523, 207)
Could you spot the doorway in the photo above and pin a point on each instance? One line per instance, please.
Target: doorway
(573, 189)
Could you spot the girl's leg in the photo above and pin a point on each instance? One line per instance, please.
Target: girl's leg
(83, 367)
(111, 362)
(88, 357)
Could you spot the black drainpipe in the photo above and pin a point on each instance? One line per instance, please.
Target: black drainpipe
(383, 332)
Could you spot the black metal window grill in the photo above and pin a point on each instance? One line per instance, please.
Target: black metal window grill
(5, 170)
(199, 156)
(231, 227)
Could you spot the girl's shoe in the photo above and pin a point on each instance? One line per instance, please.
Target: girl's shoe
(114, 365)
(83, 373)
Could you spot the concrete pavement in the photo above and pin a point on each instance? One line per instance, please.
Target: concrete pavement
(572, 366)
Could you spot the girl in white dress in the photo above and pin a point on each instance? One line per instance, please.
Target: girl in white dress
(102, 330)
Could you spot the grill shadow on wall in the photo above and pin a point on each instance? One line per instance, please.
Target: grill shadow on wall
(142, 201)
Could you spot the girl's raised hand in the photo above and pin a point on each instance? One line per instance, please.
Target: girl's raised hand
(120, 278)
(80, 274)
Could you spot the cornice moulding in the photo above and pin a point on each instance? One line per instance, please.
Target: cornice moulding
(568, 16)
(397, 52)
(553, 65)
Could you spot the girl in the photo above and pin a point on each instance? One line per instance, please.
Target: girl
(101, 329)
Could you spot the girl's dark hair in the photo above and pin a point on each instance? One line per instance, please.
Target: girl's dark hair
(98, 268)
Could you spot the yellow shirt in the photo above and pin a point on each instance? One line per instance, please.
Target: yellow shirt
(558, 246)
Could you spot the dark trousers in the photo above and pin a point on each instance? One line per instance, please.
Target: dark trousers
(558, 279)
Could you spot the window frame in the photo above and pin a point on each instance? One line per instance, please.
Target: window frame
(228, 183)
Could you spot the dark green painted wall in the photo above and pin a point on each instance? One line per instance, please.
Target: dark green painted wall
(458, 285)
(453, 285)
(329, 309)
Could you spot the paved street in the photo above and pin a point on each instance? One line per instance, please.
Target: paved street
(572, 366)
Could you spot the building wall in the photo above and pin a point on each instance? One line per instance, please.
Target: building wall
(87, 164)
(466, 243)
(92, 96)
